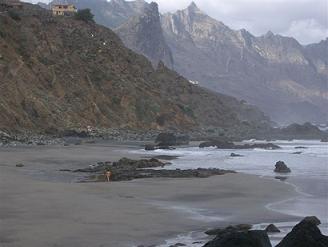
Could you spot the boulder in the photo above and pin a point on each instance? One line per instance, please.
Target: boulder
(241, 239)
(229, 229)
(324, 139)
(166, 139)
(150, 147)
(272, 229)
(19, 165)
(305, 234)
(281, 167)
(235, 155)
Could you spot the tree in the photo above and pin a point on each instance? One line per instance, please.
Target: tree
(84, 15)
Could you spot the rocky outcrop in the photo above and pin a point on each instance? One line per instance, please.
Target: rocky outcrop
(305, 234)
(272, 229)
(127, 169)
(143, 34)
(222, 144)
(241, 239)
(281, 167)
(230, 229)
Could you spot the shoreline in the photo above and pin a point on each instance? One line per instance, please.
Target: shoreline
(119, 212)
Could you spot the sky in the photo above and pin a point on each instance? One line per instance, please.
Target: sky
(305, 20)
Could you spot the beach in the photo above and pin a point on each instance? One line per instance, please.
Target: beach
(41, 207)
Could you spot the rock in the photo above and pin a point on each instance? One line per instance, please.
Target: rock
(297, 153)
(241, 239)
(281, 178)
(272, 229)
(305, 234)
(177, 245)
(166, 139)
(229, 229)
(127, 169)
(281, 167)
(313, 220)
(300, 147)
(150, 147)
(236, 155)
(19, 165)
(324, 139)
(224, 144)
(171, 139)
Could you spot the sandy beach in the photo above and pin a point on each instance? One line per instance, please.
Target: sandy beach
(40, 207)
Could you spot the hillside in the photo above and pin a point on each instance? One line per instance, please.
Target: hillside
(61, 73)
(283, 78)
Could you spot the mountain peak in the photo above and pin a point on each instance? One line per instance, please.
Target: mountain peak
(193, 7)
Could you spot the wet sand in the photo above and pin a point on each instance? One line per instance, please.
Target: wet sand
(40, 208)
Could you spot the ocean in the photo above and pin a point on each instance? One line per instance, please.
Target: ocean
(307, 159)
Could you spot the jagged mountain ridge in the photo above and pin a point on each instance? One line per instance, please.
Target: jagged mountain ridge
(270, 71)
(276, 73)
(60, 73)
(154, 47)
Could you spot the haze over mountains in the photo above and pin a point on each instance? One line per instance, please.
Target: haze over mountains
(286, 80)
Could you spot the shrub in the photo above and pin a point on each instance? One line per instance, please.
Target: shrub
(84, 15)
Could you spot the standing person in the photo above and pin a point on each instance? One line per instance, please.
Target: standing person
(108, 175)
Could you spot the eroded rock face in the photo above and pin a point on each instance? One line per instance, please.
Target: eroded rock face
(281, 167)
(241, 239)
(305, 234)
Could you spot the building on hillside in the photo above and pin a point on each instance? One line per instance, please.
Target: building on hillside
(11, 4)
(63, 9)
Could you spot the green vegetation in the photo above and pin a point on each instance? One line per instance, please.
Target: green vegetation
(84, 15)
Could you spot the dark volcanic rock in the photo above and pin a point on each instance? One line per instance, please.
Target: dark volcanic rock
(272, 228)
(150, 147)
(127, 169)
(170, 139)
(305, 234)
(236, 155)
(229, 229)
(230, 145)
(241, 239)
(281, 167)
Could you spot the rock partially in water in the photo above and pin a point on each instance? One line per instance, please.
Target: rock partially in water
(241, 239)
(281, 167)
(127, 169)
(305, 234)
(272, 229)
(19, 165)
(297, 153)
(230, 145)
(229, 229)
(171, 139)
(236, 155)
(300, 147)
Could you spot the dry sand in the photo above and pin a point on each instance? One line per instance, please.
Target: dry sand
(37, 210)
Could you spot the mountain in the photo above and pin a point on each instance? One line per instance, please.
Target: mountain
(143, 34)
(273, 72)
(62, 73)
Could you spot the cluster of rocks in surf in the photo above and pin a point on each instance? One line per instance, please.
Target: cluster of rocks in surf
(304, 234)
(225, 144)
(127, 169)
(281, 167)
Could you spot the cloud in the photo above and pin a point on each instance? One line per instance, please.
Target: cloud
(306, 20)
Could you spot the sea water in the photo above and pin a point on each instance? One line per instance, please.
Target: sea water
(309, 176)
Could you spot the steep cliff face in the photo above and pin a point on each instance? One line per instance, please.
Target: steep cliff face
(271, 71)
(62, 73)
(143, 34)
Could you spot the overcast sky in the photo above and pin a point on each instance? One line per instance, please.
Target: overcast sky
(305, 20)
